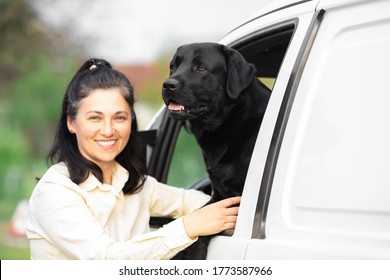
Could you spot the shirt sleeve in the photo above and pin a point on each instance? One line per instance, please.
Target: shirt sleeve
(164, 243)
(168, 201)
(161, 244)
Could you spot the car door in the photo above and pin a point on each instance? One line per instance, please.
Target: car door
(330, 185)
(277, 42)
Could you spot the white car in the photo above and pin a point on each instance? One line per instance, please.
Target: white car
(318, 186)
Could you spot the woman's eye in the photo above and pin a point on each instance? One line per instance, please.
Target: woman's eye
(93, 118)
(121, 118)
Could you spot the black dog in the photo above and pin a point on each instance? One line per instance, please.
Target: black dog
(216, 91)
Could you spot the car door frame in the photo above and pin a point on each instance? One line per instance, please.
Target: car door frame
(251, 221)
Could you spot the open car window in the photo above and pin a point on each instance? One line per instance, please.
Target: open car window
(175, 157)
(187, 165)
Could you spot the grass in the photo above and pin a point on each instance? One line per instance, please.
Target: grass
(14, 253)
(12, 248)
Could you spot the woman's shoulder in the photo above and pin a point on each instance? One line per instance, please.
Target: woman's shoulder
(56, 175)
(54, 189)
(56, 172)
(149, 183)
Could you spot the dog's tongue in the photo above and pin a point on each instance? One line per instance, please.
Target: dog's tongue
(175, 106)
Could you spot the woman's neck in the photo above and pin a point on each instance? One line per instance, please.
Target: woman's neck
(107, 170)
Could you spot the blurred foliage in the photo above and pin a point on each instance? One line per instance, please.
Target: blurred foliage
(35, 67)
(152, 92)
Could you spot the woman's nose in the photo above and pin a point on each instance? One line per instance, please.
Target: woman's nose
(107, 129)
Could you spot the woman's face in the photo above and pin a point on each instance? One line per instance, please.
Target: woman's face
(102, 126)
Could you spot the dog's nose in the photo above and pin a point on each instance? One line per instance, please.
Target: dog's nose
(171, 84)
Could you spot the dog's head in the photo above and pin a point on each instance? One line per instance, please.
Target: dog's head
(205, 81)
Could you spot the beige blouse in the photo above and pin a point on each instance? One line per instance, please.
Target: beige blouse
(97, 221)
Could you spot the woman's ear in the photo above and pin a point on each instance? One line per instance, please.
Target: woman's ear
(69, 124)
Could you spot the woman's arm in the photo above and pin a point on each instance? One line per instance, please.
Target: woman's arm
(168, 201)
(60, 216)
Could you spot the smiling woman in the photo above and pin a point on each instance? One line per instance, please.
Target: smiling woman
(96, 200)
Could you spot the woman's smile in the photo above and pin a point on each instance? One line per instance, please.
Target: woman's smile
(106, 144)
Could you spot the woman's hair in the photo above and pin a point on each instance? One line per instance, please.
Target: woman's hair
(96, 74)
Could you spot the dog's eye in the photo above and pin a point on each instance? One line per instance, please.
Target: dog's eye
(201, 69)
(172, 67)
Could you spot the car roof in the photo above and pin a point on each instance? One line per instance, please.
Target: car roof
(273, 6)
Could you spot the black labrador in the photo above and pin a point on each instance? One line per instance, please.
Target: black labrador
(216, 91)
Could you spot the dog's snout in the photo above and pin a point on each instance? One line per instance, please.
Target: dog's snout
(171, 84)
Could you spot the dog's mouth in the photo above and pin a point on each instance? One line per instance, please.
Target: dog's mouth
(176, 107)
(181, 111)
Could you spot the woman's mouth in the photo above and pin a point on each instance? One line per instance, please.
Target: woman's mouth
(106, 144)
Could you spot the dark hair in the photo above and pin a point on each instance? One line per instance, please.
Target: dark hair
(96, 74)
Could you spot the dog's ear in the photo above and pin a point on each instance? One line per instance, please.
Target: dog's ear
(240, 72)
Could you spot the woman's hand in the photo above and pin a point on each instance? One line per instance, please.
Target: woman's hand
(213, 218)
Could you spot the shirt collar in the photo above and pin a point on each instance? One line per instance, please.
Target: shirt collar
(119, 177)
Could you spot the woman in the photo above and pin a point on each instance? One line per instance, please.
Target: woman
(96, 201)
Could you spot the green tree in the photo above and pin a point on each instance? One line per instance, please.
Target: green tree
(35, 66)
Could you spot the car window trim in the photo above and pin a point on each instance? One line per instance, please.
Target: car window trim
(271, 12)
(259, 223)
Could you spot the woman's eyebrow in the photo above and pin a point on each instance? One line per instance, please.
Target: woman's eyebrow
(94, 112)
(101, 113)
(122, 112)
